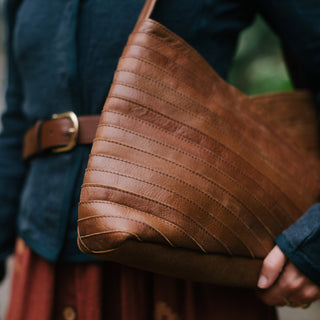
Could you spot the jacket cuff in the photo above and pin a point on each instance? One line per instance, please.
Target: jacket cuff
(301, 243)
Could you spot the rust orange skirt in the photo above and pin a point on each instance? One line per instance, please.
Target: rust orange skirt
(94, 291)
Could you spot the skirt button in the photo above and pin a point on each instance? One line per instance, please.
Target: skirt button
(69, 313)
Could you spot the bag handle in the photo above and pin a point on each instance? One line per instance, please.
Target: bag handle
(147, 10)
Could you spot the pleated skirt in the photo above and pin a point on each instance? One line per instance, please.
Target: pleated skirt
(42, 290)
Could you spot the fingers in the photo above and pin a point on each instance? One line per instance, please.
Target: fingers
(292, 288)
(272, 266)
(283, 284)
(286, 285)
(304, 290)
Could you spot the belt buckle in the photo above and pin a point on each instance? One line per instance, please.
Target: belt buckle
(72, 132)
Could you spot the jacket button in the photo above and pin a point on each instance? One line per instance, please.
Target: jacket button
(69, 313)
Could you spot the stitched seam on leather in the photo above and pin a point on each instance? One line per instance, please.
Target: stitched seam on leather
(172, 34)
(153, 170)
(123, 84)
(203, 178)
(166, 206)
(173, 225)
(230, 164)
(196, 54)
(129, 219)
(119, 83)
(164, 41)
(164, 85)
(183, 44)
(110, 232)
(181, 123)
(264, 157)
(157, 67)
(195, 64)
(205, 163)
(210, 111)
(130, 100)
(186, 45)
(152, 184)
(150, 169)
(176, 194)
(210, 138)
(99, 251)
(170, 161)
(82, 242)
(171, 60)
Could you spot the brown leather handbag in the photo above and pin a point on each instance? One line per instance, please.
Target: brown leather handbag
(187, 176)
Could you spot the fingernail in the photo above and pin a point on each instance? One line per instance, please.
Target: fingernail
(262, 282)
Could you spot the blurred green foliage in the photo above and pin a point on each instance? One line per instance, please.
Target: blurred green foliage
(258, 66)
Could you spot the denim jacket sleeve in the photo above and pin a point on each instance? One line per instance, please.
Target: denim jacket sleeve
(298, 25)
(301, 243)
(12, 168)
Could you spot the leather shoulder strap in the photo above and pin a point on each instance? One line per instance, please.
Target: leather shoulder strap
(147, 10)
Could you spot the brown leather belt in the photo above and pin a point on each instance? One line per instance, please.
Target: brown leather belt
(62, 133)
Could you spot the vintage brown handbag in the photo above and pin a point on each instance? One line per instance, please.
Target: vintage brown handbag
(187, 176)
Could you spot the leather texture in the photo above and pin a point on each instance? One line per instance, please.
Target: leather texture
(188, 176)
(54, 133)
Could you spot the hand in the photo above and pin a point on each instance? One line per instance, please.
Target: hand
(283, 284)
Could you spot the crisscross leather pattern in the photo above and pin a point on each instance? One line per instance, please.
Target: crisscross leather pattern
(187, 175)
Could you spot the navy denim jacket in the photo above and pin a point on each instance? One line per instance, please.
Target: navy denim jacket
(62, 55)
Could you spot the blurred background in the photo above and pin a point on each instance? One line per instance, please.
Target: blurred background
(258, 65)
(258, 68)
